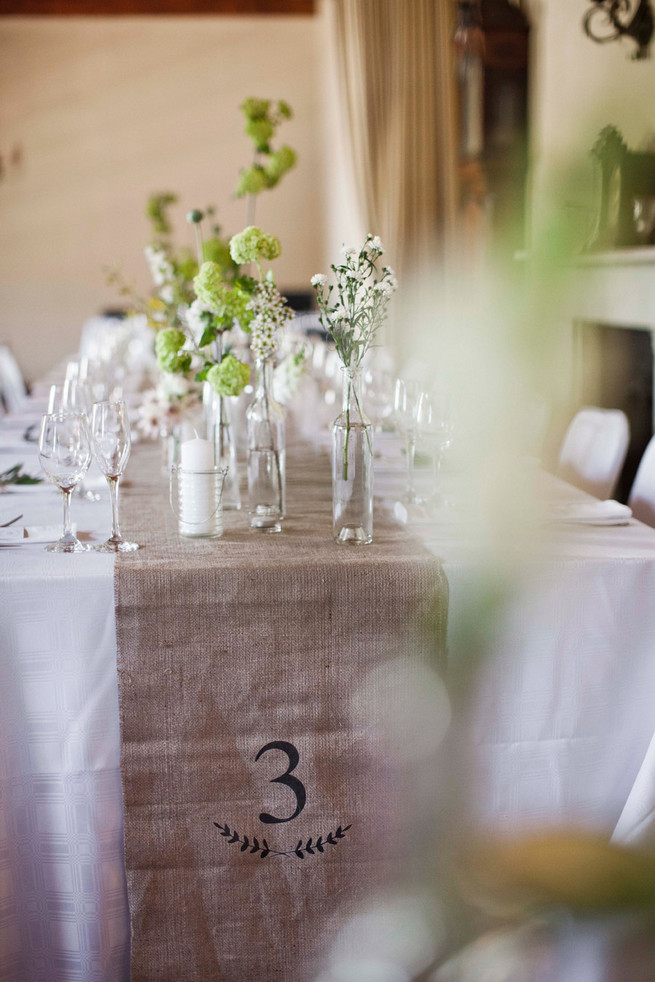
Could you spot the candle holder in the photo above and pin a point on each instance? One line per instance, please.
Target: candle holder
(196, 498)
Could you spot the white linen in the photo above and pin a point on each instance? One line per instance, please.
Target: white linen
(563, 720)
(63, 903)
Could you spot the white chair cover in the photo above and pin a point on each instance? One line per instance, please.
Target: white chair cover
(12, 385)
(594, 449)
(642, 495)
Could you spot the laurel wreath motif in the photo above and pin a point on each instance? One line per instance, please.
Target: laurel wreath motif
(312, 846)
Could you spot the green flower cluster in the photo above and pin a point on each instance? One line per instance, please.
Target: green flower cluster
(168, 349)
(210, 288)
(262, 119)
(252, 245)
(226, 303)
(230, 377)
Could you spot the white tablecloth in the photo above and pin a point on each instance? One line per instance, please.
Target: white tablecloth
(63, 901)
(564, 723)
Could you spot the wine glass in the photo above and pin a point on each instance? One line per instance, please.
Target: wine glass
(405, 404)
(435, 425)
(378, 395)
(110, 434)
(65, 455)
(74, 396)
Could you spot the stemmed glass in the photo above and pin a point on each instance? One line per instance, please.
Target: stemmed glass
(378, 395)
(110, 434)
(73, 396)
(65, 455)
(406, 397)
(435, 425)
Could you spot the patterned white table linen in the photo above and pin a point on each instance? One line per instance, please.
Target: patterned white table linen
(63, 906)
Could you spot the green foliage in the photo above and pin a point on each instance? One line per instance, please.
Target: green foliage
(157, 211)
(262, 119)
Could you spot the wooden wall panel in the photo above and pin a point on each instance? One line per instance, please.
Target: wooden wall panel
(107, 8)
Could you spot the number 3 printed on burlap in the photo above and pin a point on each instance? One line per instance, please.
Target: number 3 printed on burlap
(296, 786)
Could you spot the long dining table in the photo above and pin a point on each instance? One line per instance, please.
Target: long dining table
(563, 717)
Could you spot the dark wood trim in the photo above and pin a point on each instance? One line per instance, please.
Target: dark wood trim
(141, 8)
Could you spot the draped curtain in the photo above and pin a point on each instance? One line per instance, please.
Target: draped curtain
(394, 60)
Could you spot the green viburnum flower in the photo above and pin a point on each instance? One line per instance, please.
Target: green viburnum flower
(217, 251)
(210, 288)
(170, 357)
(280, 162)
(252, 245)
(239, 299)
(230, 377)
(255, 108)
(251, 181)
(260, 131)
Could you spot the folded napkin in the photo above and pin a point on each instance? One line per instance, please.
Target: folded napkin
(17, 535)
(590, 513)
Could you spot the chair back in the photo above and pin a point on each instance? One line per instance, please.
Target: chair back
(593, 450)
(642, 493)
(12, 385)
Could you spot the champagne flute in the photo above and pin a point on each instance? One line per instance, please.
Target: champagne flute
(406, 397)
(110, 434)
(435, 426)
(73, 396)
(65, 455)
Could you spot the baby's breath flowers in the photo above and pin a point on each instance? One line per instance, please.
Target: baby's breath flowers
(270, 315)
(359, 306)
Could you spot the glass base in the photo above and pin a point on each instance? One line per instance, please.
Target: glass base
(265, 525)
(410, 497)
(112, 546)
(353, 535)
(67, 545)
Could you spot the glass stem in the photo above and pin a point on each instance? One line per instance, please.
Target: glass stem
(113, 494)
(411, 455)
(68, 534)
(436, 463)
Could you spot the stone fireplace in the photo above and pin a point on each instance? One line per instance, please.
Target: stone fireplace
(610, 313)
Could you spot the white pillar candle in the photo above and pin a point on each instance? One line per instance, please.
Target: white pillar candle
(200, 511)
(197, 455)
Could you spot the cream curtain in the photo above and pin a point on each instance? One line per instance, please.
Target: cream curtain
(394, 60)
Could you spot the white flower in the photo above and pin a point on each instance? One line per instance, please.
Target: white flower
(166, 293)
(171, 387)
(349, 251)
(375, 244)
(160, 268)
(195, 320)
(383, 287)
(319, 279)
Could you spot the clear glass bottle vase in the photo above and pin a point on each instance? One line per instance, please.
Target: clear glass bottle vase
(352, 467)
(220, 431)
(266, 454)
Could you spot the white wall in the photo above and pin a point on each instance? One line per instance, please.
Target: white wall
(107, 111)
(578, 87)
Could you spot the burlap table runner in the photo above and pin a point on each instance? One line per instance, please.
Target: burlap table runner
(258, 807)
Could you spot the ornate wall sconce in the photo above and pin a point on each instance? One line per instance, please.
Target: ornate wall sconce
(610, 20)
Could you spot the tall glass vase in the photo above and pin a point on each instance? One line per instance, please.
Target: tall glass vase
(220, 431)
(352, 467)
(266, 454)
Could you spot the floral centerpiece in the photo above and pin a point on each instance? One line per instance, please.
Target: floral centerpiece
(351, 311)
